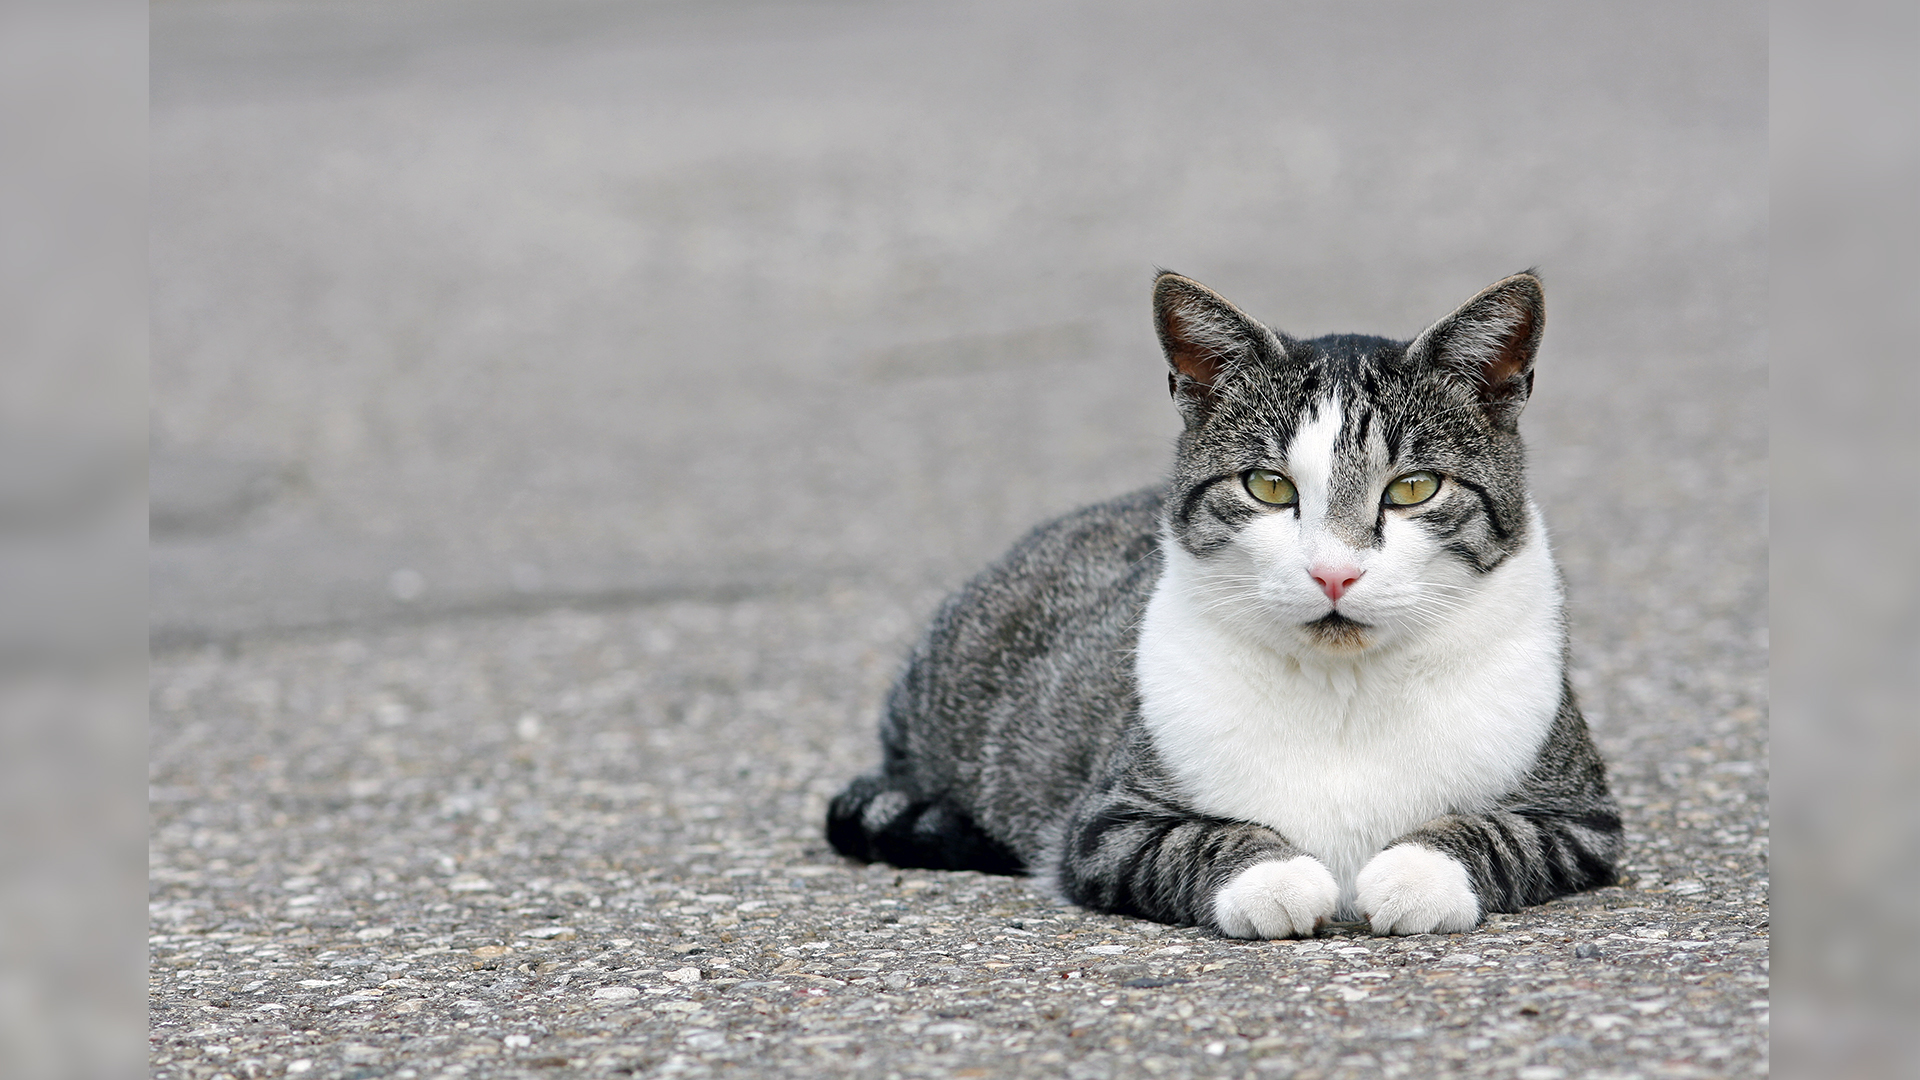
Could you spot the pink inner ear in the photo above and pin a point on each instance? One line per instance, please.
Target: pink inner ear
(1510, 357)
(1189, 358)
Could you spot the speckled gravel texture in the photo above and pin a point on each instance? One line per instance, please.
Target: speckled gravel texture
(566, 415)
(590, 842)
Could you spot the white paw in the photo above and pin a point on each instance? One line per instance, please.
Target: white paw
(1412, 889)
(1275, 899)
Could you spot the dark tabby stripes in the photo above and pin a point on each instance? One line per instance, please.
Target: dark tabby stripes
(1559, 832)
(1132, 848)
(1013, 742)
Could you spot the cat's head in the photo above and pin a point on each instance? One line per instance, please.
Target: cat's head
(1347, 492)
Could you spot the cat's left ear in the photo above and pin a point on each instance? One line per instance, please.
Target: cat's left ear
(1491, 342)
(1205, 338)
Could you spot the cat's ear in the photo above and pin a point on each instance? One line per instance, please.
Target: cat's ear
(1491, 342)
(1204, 337)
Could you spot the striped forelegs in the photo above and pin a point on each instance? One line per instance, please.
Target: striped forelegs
(1132, 855)
(1445, 875)
(1557, 833)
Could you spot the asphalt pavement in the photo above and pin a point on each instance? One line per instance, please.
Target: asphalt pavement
(565, 415)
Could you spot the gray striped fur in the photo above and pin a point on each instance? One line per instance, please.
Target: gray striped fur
(1014, 741)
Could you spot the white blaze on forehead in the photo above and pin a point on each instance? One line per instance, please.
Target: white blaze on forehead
(1310, 458)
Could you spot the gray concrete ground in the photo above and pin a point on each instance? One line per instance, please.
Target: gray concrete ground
(565, 414)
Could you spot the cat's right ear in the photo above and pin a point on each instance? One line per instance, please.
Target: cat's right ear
(1491, 342)
(1204, 337)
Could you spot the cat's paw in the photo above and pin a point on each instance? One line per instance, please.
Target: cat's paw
(1276, 898)
(1413, 889)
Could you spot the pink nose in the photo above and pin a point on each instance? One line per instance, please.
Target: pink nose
(1336, 580)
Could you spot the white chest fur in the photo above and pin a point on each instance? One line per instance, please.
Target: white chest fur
(1343, 754)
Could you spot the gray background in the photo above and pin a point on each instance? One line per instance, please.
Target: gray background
(564, 415)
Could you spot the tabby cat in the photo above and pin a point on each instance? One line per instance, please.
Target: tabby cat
(1318, 675)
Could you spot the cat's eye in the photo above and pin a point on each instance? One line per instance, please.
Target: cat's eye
(1271, 488)
(1412, 489)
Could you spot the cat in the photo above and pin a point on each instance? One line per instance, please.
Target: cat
(1318, 676)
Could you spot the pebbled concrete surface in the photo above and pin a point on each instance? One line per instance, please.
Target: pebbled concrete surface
(565, 415)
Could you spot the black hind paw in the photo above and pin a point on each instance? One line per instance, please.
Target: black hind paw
(872, 822)
(846, 830)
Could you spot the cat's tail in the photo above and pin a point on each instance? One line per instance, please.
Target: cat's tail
(875, 822)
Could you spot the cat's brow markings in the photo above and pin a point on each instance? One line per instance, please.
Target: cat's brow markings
(1310, 458)
(1140, 705)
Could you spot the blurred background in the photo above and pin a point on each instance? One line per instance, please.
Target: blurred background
(73, 400)
(484, 308)
(466, 306)
(484, 305)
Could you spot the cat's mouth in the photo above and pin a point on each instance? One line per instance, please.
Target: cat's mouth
(1336, 631)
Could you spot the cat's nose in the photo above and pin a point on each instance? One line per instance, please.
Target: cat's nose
(1336, 580)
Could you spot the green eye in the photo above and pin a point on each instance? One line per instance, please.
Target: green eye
(1412, 489)
(1271, 488)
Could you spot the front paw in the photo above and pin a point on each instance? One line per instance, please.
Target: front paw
(1276, 898)
(1413, 889)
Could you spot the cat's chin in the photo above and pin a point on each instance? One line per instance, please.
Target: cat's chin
(1336, 633)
